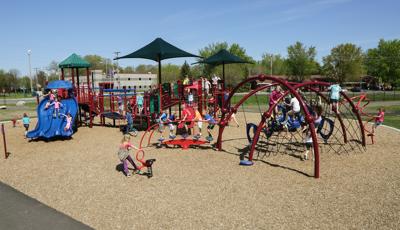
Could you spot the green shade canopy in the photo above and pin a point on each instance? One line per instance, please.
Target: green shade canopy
(74, 61)
(158, 50)
(221, 58)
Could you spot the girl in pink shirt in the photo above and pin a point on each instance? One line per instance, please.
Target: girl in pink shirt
(378, 119)
(51, 99)
(123, 154)
(57, 106)
(276, 94)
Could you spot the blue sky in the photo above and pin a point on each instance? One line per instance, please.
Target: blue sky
(54, 29)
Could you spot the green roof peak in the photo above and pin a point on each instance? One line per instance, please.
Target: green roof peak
(74, 61)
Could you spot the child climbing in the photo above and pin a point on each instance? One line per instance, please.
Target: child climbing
(335, 90)
(139, 102)
(26, 121)
(378, 119)
(276, 94)
(124, 157)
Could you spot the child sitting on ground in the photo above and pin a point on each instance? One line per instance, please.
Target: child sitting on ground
(124, 157)
(26, 120)
(378, 119)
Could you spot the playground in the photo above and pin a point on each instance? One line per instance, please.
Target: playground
(218, 162)
(204, 188)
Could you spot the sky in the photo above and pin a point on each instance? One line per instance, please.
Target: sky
(54, 29)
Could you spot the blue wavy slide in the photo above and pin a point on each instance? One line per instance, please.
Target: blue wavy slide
(49, 126)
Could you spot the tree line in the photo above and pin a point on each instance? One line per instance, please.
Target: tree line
(346, 62)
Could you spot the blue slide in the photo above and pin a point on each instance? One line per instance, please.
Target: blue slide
(49, 125)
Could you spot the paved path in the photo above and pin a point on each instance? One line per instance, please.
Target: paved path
(19, 211)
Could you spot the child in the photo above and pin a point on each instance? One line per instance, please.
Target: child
(57, 106)
(309, 144)
(123, 154)
(335, 96)
(276, 94)
(211, 123)
(294, 105)
(378, 119)
(26, 120)
(190, 98)
(187, 119)
(68, 126)
(233, 117)
(161, 121)
(120, 105)
(199, 120)
(51, 97)
(171, 125)
(139, 102)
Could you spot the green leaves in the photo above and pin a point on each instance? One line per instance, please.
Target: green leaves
(301, 61)
(384, 61)
(344, 63)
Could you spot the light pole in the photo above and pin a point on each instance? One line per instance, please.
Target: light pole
(272, 56)
(116, 54)
(30, 69)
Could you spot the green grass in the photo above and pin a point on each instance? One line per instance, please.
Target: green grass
(392, 120)
(15, 95)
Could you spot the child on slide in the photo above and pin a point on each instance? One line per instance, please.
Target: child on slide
(51, 97)
(124, 157)
(68, 117)
(57, 106)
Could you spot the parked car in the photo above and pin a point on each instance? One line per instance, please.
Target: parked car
(356, 89)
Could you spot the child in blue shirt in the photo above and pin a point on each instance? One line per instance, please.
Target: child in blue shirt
(26, 120)
(171, 125)
(161, 121)
(211, 123)
(335, 96)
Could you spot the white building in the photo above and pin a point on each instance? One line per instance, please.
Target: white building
(140, 82)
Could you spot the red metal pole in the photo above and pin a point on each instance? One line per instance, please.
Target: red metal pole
(4, 141)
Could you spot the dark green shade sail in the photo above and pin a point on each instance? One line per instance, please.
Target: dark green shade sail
(74, 61)
(221, 58)
(158, 50)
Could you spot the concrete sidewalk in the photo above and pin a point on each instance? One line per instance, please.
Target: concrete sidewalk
(19, 211)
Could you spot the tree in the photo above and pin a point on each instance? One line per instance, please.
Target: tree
(170, 72)
(278, 64)
(344, 63)
(185, 70)
(384, 61)
(301, 61)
